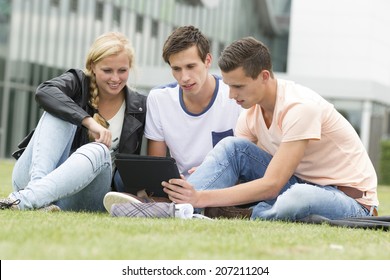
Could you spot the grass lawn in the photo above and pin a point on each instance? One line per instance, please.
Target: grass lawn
(27, 235)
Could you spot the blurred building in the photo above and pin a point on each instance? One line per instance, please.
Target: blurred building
(340, 48)
(337, 47)
(39, 39)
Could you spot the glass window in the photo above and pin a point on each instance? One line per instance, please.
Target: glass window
(2, 68)
(221, 47)
(5, 10)
(117, 16)
(99, 11)
(1, 98)
(154, 28)
(139, 24)
(211, 44)
(73, 6)
(55, 3)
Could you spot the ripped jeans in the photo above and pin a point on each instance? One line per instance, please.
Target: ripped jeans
(238, 160)
(46, 173)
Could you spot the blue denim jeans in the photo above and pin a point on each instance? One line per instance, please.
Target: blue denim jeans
(46, 173)
(238, 160)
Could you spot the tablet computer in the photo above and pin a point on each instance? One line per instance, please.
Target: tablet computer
(139, 172)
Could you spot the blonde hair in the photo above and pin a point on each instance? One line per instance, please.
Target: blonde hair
(107, 44)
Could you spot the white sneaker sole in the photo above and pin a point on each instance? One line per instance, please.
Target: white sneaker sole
(117, 198)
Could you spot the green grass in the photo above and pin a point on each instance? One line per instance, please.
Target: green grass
(78, 236)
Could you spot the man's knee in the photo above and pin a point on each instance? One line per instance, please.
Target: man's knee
(232, 142)
(290, 204)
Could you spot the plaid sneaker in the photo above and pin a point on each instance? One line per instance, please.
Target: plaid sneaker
(118, 198)
(143, 210)
(8, 203)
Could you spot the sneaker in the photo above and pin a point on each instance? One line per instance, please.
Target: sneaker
(229, 212)
(50, 208)
(118, 198)
(8, 203)
(143, 210)
(150, 198)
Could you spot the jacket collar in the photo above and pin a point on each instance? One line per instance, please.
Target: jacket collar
(134, 102)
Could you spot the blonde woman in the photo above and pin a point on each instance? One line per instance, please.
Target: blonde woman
(89, 116)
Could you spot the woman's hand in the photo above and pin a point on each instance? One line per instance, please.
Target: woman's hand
(100, 133)
(180, 191)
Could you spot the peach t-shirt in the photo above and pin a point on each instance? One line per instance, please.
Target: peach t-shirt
(334, 156)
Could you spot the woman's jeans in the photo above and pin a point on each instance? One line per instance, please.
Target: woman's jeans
(46, 173)
(238, 160)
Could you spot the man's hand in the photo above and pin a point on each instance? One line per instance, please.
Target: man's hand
(180, 191)
(192, 170)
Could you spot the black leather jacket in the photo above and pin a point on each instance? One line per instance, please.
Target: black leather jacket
(67, 96)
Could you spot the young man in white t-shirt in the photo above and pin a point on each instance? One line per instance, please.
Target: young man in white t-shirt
(189, 117)
(193, 114)
(295, 155)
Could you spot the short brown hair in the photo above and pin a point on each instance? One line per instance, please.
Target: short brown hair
(183, 38)
(249, 53)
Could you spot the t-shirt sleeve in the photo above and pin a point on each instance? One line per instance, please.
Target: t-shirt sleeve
(301, 121)
(153, 127)
(242, 128)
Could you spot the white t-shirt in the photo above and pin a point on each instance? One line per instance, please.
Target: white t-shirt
(188, 136)
(334, 154)
(116, 124)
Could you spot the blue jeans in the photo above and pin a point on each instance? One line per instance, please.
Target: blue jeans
(46, 173)
(238, 160)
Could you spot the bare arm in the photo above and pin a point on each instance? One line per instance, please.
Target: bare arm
(101, 134)
(279, 171)
(157, 148)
